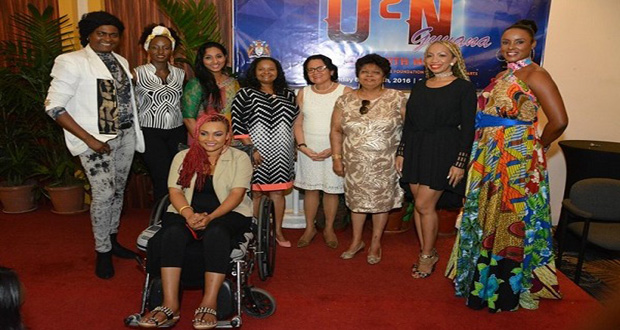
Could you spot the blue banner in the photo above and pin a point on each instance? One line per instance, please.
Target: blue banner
(344, 30)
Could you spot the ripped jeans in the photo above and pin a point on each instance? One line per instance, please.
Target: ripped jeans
(107, 174)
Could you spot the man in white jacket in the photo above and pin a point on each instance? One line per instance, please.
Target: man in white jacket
(91, 97)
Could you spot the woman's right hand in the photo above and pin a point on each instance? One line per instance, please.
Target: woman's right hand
(310, 153)
(197, 221)
(399, 164)
(338, 167)
(257, 158)
(98, 146)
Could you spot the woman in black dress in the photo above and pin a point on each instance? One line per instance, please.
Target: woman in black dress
(437, 137)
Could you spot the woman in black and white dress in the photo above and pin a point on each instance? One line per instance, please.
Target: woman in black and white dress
(263, 114)
(159, 87)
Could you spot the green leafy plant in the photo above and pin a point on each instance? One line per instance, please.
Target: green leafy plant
(27, 134)
(195, 21)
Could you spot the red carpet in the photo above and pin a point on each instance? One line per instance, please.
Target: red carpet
(314, 288)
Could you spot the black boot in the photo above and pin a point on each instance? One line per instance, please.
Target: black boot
(104, 268)
(121, 251)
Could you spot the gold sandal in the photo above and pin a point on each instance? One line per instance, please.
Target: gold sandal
(199, 322)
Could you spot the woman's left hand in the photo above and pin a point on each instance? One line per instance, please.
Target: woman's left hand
(199, 221)
(455, 175)
(324, 154)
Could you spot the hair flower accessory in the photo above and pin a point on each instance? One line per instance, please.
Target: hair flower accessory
(159, 31)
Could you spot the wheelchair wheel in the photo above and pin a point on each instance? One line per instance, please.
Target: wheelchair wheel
(259, 304)
(266, 239)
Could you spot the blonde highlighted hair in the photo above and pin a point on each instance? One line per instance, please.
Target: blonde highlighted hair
(458, 69)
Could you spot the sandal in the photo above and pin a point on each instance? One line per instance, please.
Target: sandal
(154, 322)
(414, 267)
(426, 260)
(199, 322)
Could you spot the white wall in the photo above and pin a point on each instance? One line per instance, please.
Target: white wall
(583, 57)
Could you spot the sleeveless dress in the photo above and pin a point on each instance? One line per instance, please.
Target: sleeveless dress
(504, 253)
(318, 175)
(369, 151)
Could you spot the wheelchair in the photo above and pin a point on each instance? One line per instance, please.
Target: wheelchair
(254, 248)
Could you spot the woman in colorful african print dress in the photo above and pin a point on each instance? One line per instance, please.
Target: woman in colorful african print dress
(504, 251)
(212, 89)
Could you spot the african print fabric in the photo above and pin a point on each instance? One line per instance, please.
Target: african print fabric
(504, 254)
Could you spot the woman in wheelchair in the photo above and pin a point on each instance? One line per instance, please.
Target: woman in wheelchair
(207, 188)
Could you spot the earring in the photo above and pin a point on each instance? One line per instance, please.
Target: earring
(451, 64)
(532, 53)
(498, 54)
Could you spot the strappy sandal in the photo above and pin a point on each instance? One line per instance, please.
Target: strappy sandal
(153, 322)
(414, 267)
(426, 260)
(199, 322)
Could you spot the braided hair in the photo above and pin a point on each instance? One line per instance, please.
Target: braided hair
(196, 160)
(458, 69)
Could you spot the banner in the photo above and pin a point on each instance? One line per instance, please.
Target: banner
(399, 30)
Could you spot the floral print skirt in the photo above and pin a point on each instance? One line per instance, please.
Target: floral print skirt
(503, 257)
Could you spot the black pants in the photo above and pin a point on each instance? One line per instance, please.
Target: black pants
(216, 240)
(161, 146)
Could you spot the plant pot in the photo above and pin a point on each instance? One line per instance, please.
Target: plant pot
(447, 221)
(139, 191)
(67, 200)
(18, 199)
(400, 220)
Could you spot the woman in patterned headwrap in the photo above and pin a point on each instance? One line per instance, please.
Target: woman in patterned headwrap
(159, 86)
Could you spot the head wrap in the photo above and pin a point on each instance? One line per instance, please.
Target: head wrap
(159, 31)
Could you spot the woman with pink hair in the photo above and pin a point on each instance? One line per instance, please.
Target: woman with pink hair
(208, 186)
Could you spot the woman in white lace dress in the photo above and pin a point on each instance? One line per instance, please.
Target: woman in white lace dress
(314, 171)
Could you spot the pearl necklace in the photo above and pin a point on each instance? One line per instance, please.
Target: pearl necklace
(444, 74)
(323, 90)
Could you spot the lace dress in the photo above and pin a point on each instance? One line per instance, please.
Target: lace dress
(317, 111)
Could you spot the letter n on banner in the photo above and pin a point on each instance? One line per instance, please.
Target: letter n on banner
(334, 18)
(440, 24)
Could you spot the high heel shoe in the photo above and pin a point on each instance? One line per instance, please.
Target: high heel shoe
(348, 255)
(414, 267)
(426, 260)
(284, 244)
(373, 260)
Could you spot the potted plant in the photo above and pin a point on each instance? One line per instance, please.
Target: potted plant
(23, 87)
(60, 172)
(17, 189)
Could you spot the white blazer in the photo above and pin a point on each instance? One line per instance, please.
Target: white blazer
(74, 87)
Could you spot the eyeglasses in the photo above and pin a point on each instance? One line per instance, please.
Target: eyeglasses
(364, 108)
(317, 69)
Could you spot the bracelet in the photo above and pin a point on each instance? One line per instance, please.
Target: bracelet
(299, 146)
(337, 156)
(185, 207)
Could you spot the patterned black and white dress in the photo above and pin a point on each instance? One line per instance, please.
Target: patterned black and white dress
(268, 120)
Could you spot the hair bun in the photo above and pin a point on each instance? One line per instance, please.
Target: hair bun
(529, 23)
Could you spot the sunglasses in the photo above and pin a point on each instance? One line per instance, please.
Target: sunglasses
(364, 108)
(317, 69)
